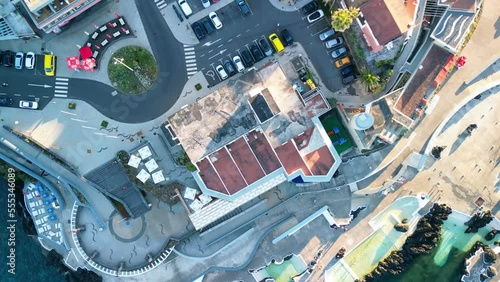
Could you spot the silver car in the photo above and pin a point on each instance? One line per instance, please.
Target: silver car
(19, 60)
(28, 105)
(339, 52)
(30, 60)
(334, 42)
(326, 34)
(222, 72)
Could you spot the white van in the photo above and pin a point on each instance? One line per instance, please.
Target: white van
(185, 8)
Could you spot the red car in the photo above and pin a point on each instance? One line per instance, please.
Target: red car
(214, 1)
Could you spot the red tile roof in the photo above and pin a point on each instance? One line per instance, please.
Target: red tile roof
(291, 159)
(302, 140)
(227, 170)
(381, 21)
(320, 161)
(245, 160)
(210, 177)
(263, 151)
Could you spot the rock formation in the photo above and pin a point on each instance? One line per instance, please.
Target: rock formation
(479, 220)
(491, 271)
(491, 235)
(401, 227)
(489, 255)
(423, 240)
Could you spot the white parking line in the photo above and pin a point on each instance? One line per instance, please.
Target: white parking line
(68, 113)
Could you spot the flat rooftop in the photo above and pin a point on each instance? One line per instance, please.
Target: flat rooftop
(263, 98)
(453, 27)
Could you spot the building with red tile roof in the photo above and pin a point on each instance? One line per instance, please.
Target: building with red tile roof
(253, 134)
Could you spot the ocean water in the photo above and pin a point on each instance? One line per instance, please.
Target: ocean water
(30, 263)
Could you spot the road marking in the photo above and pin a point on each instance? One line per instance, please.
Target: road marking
(32, 96)
(210, 43)
(210, 51)
(61, 87)
(257, 25)
(230, 40)
(160, 4)
(60, 96)
(114, 136)
(68, 113)
(47, 97)
(247, 30)
(88, 127)
(3, 93)
(60, 91)
(238, 35)
(202, 56)
(99, 133)
(220, 45)
(17, 95)
(62, 79)
(80, 120)
(190, 57)
(191, 65)
(190, 61)
(189, 53)
(191, 69)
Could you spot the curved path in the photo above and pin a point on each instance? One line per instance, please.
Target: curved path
(165, 91)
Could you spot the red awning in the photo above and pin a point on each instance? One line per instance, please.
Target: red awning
(440, 77)
(449, 63)
(85, 52)
(73, 62)
(461, 61)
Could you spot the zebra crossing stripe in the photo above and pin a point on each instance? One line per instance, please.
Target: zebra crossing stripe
(62, 78)
(190, 61)
(60, 96)
(61, 87)
(188, 48)
(161, 6)
(191, 65)
(191, 69)
(60, 91)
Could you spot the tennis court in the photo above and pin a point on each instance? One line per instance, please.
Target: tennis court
(339, 135)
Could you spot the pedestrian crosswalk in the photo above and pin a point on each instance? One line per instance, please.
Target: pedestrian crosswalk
(190, 57)
(61, 87)
(160, 4)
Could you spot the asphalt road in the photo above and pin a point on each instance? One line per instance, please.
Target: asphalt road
(239, 32)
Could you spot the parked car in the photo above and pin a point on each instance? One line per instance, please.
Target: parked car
(256, 52)
(221, 71)
(214, 1)
(325, 35)
(229, 68)
(198, 30)
(185, 7)
(247, 58)
(339, 52)
(19, 60)
(243, 7)
(287, 37)
(337, 41)
(348, 79)
(238, 63)
(8, 58)
(215, 20)
(28, 105)
(310, 7)
(207, 25)
(205, 3)
(30, 60)
(6, 102)
(347, 71)
(264, 45)
(342, 62)
(315, 16)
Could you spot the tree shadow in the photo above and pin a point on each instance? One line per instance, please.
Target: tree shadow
(460, 139)
(497, 28)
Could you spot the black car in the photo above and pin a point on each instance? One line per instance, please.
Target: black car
(243, 7)
(207, 25)
(198, 30)
(287, 37)
(264, 45)
(229, 68)
(7, 102)
(247, 59)
(348, 79)
(256, 52)
(347, 71)
(8, 58)
(310, 7)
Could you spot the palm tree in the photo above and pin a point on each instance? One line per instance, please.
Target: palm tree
(342, 18)
(370, 80)
(329, 2)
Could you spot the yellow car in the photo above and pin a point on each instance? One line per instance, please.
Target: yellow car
(311, 84)
(49, 65)
(342, 62)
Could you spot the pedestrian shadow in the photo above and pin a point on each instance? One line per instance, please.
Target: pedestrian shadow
(496, 208)
(460, 139)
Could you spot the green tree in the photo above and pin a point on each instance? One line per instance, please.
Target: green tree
(370, 80)
(342, 18)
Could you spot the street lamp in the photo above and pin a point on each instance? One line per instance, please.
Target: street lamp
(120, 61)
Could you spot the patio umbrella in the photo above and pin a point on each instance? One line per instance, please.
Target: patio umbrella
(39, 186)
(45, 195)
(47, 203)
(50, 210)
(85, 52)
(73, 62)
(53, 217)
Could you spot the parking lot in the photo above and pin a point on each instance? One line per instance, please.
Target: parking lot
(240, 32)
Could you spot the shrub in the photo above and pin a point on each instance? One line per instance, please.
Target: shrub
(197, 87)
(104, 124)
(71, 106)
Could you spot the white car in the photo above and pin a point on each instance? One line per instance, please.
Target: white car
(206, 3)
(215, 20)
(238, 63)
(185, 7)
(315, 16)
(222, 72)
(28, 105)
(19, 60)
(30, 60)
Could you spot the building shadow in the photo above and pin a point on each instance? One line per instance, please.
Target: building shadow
(461, 138)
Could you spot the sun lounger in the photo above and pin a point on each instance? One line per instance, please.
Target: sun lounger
(95, 54)
(94, 36)
(40, 230)
(103, 28)
(58, 225)
(104, 42)
(116, 34)
(29, 196)
(35, 212)
(32, 205)
(49, 227)
(38, 221)
(46, 217)
(122, 22)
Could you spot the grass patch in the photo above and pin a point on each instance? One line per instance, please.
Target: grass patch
(197, 87)
(104, 124)
(332, 120)
(403, 80)
(71, 106)
(182, 159)
(357, 52)
(132, 70)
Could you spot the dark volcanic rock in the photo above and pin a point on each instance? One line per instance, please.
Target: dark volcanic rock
(401, 227)
(477, 221)
(489, 255)
(491, 235)
(491, 271)
(422, 241)
(483, 277)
